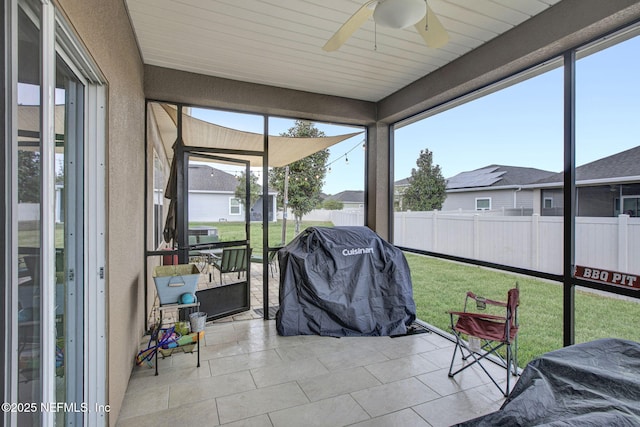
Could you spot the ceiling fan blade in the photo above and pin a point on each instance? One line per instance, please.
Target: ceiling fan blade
(432, 31)
(349, 27)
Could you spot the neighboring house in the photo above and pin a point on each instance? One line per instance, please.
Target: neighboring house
(399, 187)
(494, 187)
(351, 199)
(212, 197)
(605, 187)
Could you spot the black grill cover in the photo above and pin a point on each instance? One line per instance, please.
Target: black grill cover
(343, 281)
(592, 384)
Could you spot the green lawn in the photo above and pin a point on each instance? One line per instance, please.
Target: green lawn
(228, 231)
(440, 285)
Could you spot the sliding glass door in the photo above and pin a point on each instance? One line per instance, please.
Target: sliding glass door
(55, 226)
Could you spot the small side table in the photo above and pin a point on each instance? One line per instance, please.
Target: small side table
(178, 306)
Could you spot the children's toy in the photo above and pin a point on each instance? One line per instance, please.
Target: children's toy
(168, 336)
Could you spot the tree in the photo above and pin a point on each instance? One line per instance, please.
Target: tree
(28, 176)
(306, 176)
(254, 189)
(333, 205)
(426, 189)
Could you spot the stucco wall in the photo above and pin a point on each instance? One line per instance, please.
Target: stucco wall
(104, 28)
(165, 84)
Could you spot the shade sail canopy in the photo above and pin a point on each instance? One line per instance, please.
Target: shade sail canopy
(200, 134)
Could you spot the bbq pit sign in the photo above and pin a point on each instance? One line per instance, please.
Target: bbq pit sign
(606, 276)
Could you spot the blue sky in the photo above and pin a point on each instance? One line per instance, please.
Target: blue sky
(521, 125)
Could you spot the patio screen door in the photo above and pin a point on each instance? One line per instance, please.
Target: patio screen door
(219, 204)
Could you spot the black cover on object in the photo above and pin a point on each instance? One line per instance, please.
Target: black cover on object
(343, 281)
(591, 384)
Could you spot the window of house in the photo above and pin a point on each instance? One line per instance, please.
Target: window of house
(630, 206)
(483, 204)
(235, 206)
(548, 203)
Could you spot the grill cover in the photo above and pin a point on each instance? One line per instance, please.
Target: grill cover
(343, 281)
(590, 384)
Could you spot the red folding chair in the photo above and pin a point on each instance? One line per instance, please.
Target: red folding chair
(493, 333)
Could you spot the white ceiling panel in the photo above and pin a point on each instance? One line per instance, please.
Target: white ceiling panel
(279, 42)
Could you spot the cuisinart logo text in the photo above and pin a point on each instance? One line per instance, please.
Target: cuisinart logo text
(357, 251)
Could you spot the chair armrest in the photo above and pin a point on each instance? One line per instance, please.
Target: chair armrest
(477, 315)
(216, 261)
(485, 300)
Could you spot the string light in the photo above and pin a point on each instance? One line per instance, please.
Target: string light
(346, 158)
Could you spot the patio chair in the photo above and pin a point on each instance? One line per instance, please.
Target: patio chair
(195, 256)
(271, 259)
(232, 260)
(205, 241)
(487, 334)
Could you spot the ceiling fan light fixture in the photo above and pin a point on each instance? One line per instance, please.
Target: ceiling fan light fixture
(399, 14)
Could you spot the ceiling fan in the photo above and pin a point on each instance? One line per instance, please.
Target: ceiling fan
(395, 14)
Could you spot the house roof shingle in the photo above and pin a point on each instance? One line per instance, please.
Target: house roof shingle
(516, 175)
(623, 164)
(619, 165)
(206, 178)
(497, 176)
(491, 176)
(349, 196)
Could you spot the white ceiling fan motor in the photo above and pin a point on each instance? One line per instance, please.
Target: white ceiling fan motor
(399, 14)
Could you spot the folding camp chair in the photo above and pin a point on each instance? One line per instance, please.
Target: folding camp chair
(487, 334)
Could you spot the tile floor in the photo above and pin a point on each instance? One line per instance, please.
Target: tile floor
(251, 376)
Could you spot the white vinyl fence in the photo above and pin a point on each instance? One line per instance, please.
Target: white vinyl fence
(531, 242)
(337, 217)
(348, 217)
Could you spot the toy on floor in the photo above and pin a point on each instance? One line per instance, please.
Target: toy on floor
(168, 337)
